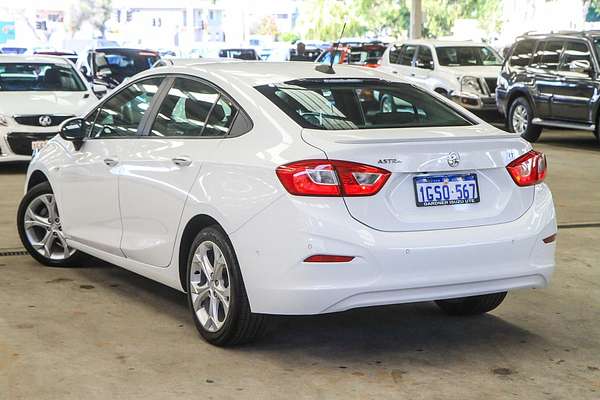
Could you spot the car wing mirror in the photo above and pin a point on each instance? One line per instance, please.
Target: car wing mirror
(99, 90)
(580, 66)
(73, 130)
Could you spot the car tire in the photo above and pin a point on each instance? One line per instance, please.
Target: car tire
(472, 305)
(597, 133)
(519, 120)
(40, 229)
(216, 292)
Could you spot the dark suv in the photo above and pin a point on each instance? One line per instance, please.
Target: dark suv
(551, 80)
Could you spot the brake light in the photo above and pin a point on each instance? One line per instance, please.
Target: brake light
(332, 178)
(529, 169)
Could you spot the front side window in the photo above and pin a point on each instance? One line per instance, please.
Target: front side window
(576, 51)
(193, 109)
(523, 53)
(406, 57)
(39, 77)
(462, 56)
(360, 104)
(120, 116)
(424, 58)
(548, 55)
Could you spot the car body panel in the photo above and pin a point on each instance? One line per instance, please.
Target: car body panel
(233, 181)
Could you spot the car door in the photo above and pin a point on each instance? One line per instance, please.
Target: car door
(546, 79)
(572, 100)
(157, 173)
(423, 66)
(89, 182)
(404, 62)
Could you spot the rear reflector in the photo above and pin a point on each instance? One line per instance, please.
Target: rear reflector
(323, 258)
(529, 169)
(331, 178)
(550, 239)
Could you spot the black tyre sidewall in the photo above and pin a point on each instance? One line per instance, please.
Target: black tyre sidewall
(237, 299)
(533, 132)
(42, 188)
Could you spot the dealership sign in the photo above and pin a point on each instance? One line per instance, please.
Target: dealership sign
(7, 31)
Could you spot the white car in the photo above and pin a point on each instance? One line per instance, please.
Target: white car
(37, 94)
(464, 71)
(274, 188)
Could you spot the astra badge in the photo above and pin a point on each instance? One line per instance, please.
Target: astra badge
(453, 159)
(45, 120)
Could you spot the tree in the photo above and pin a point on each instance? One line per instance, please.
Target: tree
(266, 26)
(385, 17)
(440, 15)
(95, 12)
(324, 19)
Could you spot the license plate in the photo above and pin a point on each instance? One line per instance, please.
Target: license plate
(445, 190)
(37, 145)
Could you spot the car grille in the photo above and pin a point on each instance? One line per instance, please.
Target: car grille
(34, 120)
(20, 143)
(491, 84)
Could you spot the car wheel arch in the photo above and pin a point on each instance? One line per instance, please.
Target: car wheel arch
(193, 226)
(36, 178)
(514, 96)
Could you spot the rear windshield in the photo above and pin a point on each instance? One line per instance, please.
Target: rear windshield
(335, 104)
(24, 77)
(125, 63)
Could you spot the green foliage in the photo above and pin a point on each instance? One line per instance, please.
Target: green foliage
(289, 37)
(323, 19)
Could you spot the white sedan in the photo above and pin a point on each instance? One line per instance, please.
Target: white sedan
(282, 188)
(37, 94)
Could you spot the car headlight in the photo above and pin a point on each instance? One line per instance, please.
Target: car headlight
(4, 120)
(470, 84)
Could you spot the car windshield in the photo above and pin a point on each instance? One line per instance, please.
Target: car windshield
(242, 54)
(334, 104)
(21, 77)
(125, 63)
(360, 56)
(462, 56)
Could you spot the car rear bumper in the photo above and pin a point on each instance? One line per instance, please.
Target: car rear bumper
(389, 267)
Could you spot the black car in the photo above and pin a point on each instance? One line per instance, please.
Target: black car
(551, 80)
(110, 66)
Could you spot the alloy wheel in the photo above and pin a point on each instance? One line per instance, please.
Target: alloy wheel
(519, 119)
(44, 230)
(210, 286)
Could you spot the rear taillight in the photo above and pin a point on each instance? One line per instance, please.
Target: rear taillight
(331, 178)
(529, 169)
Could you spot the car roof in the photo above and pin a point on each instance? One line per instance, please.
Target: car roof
(444, 43)
(256, 73)
(561, 34)
(40, 59)
(123, 49)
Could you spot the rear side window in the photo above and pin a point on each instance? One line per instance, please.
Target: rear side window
(548, 55)
(192, 108)
(523, 53)
(406, 57)
(360, 104)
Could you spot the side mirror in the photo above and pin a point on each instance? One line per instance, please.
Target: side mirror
(580, 66)
(99, 90)
(73, 130)
(84, 70)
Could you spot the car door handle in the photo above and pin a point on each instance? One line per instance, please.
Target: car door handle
(394, 72)
(111, 161)
(181, 161)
